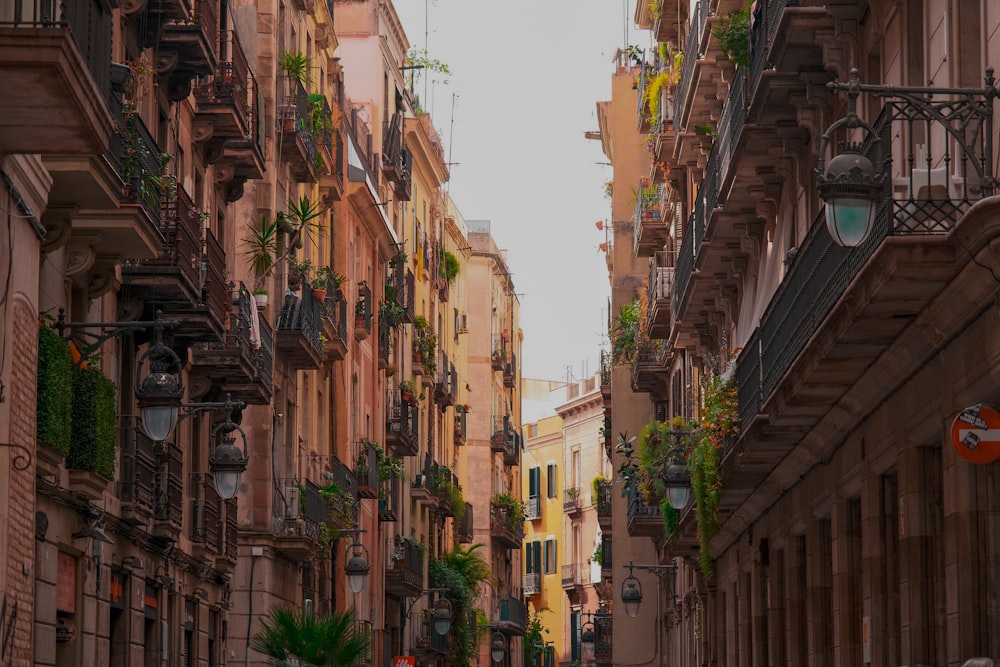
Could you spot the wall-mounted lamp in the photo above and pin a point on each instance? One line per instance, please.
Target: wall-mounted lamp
(498, 646)
(132, 563)
(357, 564)
(632, 589)
(851, 185)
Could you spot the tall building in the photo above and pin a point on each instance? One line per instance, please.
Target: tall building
(823, 380)
(566, 556)
(495, 440)
(227, 245)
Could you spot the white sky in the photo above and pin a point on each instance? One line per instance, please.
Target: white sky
(527, 75)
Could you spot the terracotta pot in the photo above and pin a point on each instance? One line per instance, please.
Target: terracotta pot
(319, 294)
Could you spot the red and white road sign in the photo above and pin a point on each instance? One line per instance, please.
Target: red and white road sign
(975, 434)
(403, 661)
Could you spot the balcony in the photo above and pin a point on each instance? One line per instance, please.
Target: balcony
(512, 616)
(660, 292)
(55, 55)
(298, 510)
(603, 633)
(575, 575)
(512, 450)
(604, 503)
(401, 289)
(499, 359)
(365, 469)
(430, 646)
(533, 508)
(228, 118)
(402, 428)
(299, 146)
(445, 381)
(188, 45)
(388, 500)
(653, 216)
(503, 433)
(461, 427)
(335, 323)
(642, 519)
(607, 562)
(647, 367)
(571, 500)
(506, 527)
(168, 498)
(465, 531)
(510, 373)
(185, 279)
(298, 330)
(396, 160)
(242, 363)
(422, 490)
(363, 313)
(445, 484)
(404, 573)
(606, 367)
(532, 583)
(207, 527)
(139, 465)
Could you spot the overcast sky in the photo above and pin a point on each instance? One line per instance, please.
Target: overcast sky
(526, 76)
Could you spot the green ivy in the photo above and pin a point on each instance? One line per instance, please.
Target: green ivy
(54, 405)
(718, 425)
(94, 429)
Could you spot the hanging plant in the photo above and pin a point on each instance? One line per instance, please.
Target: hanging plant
(719, 423)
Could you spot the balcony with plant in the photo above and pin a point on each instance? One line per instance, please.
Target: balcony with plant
(397, 163)
(363, 313)
(445, 381)
(299, 332)
(188, 37)
(229, 113)
(242, 363)
(403, 422)
(404, 572)
(424, 352)
(507, 517)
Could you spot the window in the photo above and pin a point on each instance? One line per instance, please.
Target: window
(533, 557)
(550, 556)
(534, 482)
(551, 481)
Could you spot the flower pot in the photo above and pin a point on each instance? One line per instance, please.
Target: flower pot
(261, 300)
(319, 294)
(406, 396)
(294, 282)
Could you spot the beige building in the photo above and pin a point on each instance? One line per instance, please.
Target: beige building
(567, 557)
(830, 384)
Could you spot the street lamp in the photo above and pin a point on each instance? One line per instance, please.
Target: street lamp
(357, 565)
(676, 476)
(632, 589)
(498, 647)
(851, 185)
(227, 461)
(442, 616)
(160, 392)
(587, 636)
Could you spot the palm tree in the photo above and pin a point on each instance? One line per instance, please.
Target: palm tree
(296, 638)
(469, 565)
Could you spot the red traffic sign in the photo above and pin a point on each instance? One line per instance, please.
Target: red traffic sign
(975, 434)
(403, 661)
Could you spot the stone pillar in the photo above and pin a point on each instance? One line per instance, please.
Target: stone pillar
(46, 573)
(819, 571)
(795, 601)
(921, 572)
(778, 637)
(846, 579)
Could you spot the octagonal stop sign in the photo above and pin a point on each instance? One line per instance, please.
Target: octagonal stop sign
(975, 434)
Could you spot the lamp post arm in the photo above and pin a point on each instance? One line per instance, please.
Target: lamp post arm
(108, 330)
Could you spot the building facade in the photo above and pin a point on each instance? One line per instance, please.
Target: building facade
(224, 208)
(820, 390)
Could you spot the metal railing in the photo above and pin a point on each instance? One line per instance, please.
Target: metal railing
(691, 56)
(604, 498)
(571, 498)
(302, 313)
(533, 508)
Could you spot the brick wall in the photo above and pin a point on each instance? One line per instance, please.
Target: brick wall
(20, 533)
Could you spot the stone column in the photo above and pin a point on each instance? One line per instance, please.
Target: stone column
(819, 571)
(846, 579)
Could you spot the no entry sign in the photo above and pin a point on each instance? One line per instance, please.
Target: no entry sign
(975, 434)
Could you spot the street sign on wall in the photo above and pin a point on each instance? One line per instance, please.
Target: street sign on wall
(403, 661)
(975, 434)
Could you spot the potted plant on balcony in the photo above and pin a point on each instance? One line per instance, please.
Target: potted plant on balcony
(298, 271)
(260, 297)
(406, 391)
(319, 283)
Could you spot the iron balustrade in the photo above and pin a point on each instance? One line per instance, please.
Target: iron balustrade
(571, 498)
(513, 612)
(465, 530)
(135, 157)
(232, 531)
(206, 513)
(361, 139)
(603, 635)
(749, 380)
(692, 55)
(363, 308)
(335, 309)
(573, 574)
(303, 314)
(89, 23)
(532, 583)
(533, 508)
(604, 498)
